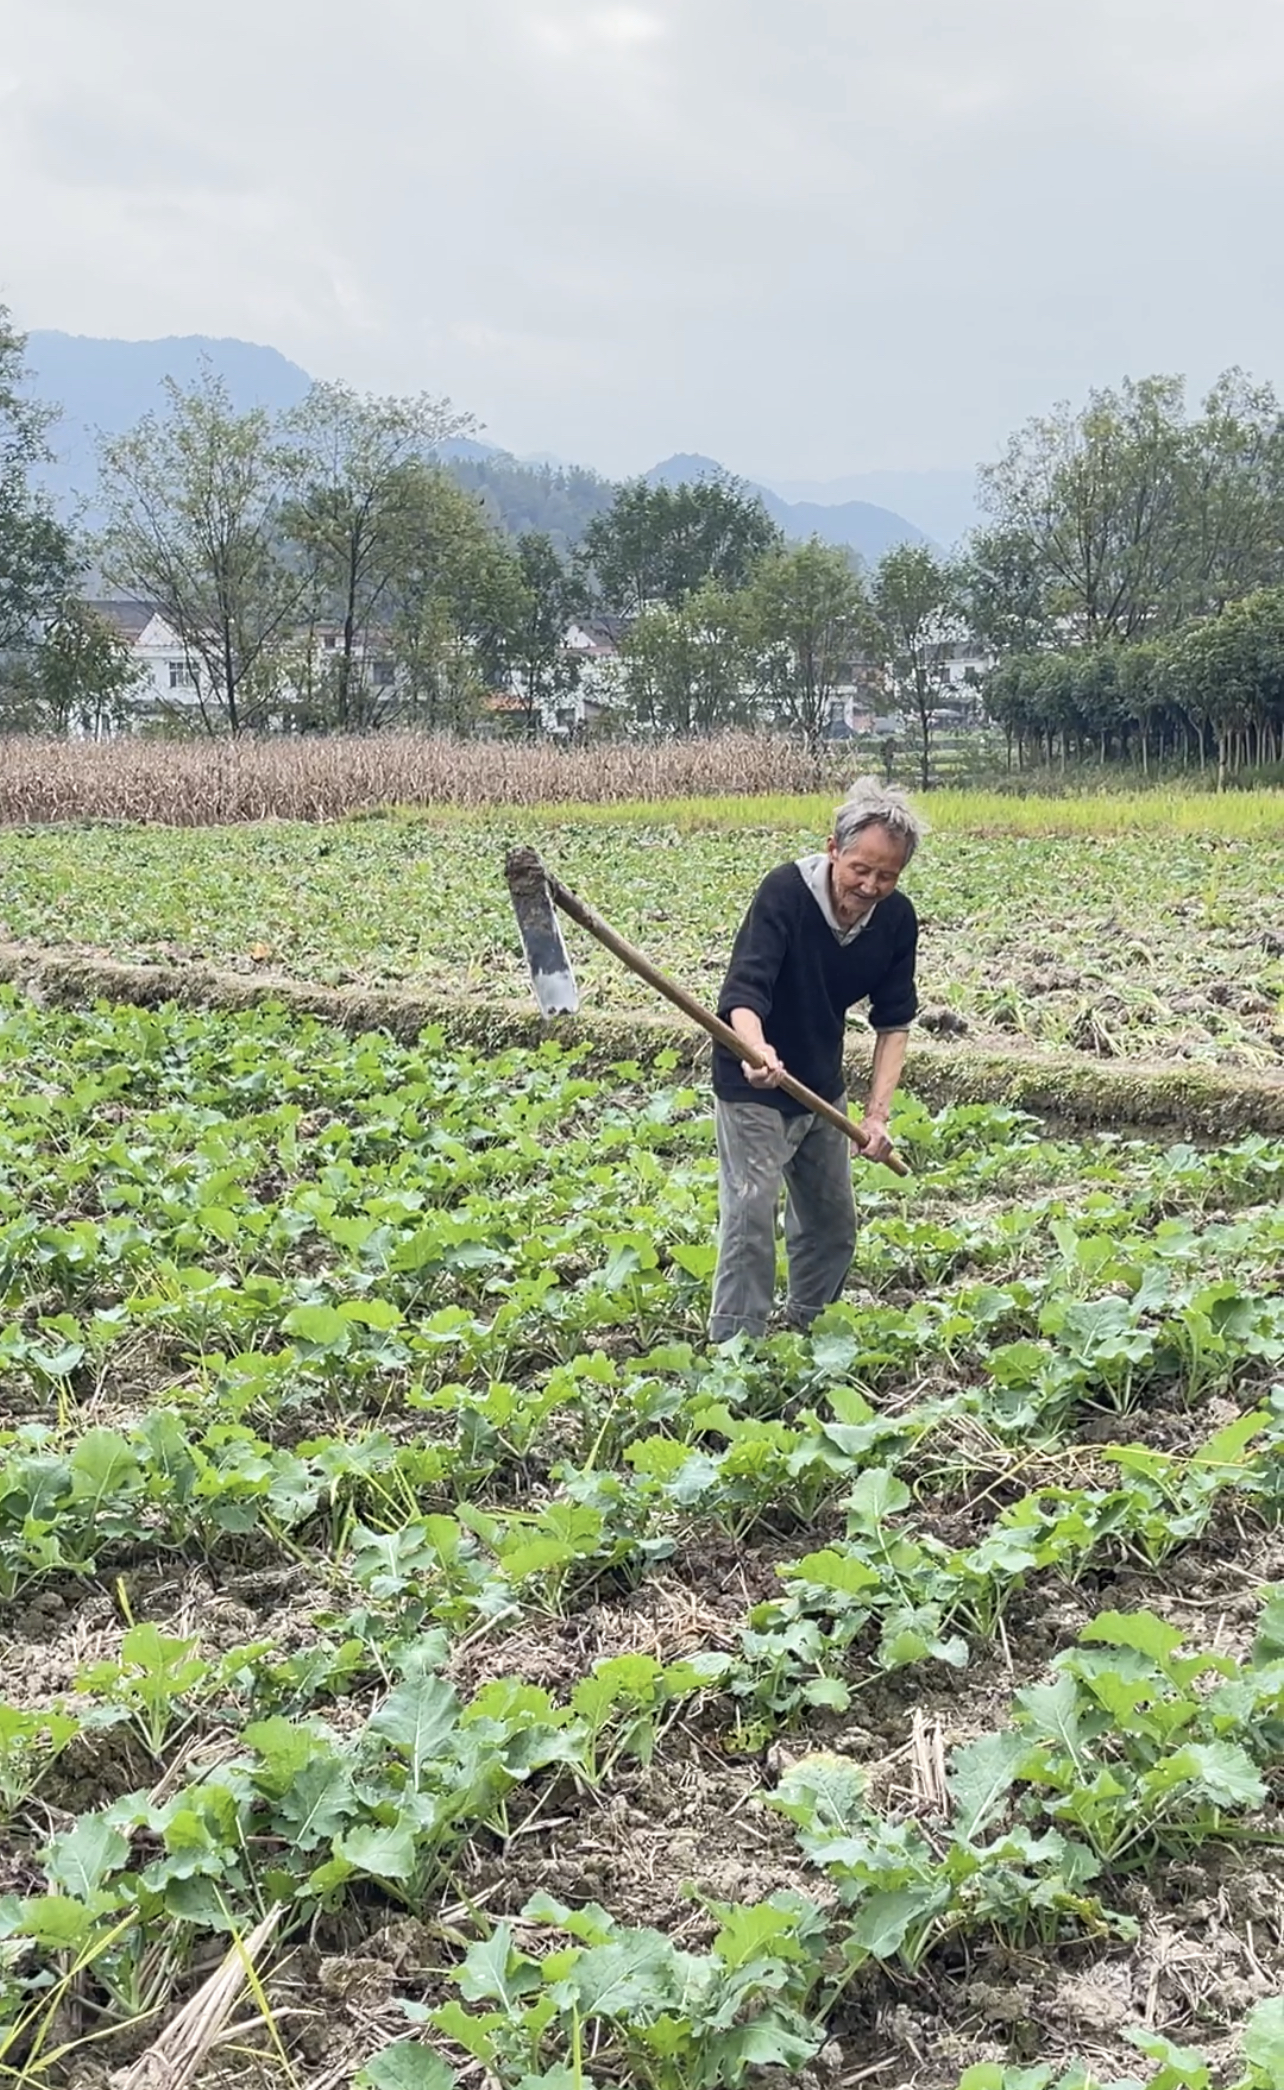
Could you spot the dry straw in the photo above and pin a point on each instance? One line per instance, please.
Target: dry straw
(213, 783)
(179, 2054)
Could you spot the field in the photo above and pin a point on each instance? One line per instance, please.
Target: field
(1118, 944)
(404, 1608)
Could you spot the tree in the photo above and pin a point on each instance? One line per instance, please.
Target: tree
(1003, 591)
(1140, 690)
(808, 622)
(82, 673)
(454, 604)
(355, 470)
(1234, 494)
(192, 500)
(1011, 698)
(557, 501)
(1126, 517)
(37, 558)
(551, 595)
(915, 604)
(690, 669)
(660, 543)
(1099, 496)
(1227, 673)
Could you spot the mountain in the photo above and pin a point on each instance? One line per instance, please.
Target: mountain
(686, 466)
(942, 502)
(465, 449)
(560, 501)
(109, 385)
(867, 529)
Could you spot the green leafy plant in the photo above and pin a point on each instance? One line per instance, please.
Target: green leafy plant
(676, 2020)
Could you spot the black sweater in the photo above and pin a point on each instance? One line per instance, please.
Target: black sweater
(788, 966)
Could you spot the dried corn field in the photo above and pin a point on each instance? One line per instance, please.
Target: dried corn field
(209, 783)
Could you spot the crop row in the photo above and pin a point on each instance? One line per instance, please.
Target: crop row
(359, 1503)
(407, 1224)
(1161, 945)
(426, 1328)
(1133, 1748)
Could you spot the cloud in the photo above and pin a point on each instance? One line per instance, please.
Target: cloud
(625, 25)
(595, 28)
(817, 239)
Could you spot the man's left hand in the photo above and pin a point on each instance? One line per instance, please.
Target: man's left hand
(878, 1144)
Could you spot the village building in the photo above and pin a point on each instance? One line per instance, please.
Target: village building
(168, 681)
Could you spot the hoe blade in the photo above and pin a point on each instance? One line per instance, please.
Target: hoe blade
(551, 974)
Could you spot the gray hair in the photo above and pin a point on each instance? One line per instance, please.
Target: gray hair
(871, 804)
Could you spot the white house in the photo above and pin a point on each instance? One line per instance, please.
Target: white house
(595, 644)
(169, 679)
(166, 677)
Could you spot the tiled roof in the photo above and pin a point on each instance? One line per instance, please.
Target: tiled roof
(130, 619)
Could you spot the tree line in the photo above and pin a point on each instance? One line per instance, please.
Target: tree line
(1128, 583)
(324, 569)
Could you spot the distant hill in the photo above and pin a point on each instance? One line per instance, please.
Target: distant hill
(868, 529)
(559, 500)
(942, 502)
(466, 449)
(109, 385)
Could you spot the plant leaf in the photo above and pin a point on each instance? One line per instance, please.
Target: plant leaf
(1053, 1711)
(614, 1980)
(842, 1572)
(1222, 1770)
(385, 1854)
(877, 1494)
(405, 2065)
(1264, 2041)
(418, 1717)
(493, 1969)
(821, 1792)
(770, 2041)
(980, 1778)
(1138, 1629)
(80, 1860)
(883, 1921)
(751, 1930)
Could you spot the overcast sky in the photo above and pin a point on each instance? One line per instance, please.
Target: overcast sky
(810, 237)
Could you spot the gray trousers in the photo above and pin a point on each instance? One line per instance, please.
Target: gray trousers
(758, 1150)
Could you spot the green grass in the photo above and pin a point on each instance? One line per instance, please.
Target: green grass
(1239, 816)
(1235, 816)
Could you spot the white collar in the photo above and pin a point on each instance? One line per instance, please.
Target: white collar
(815, 876)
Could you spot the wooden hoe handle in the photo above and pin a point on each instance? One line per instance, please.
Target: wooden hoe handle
(637, 962)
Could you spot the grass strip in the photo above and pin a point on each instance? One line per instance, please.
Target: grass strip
(1230, 816)
(1067, 1088)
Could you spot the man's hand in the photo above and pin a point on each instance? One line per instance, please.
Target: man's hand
(877, 1144)
(767, 1077)
(889, 1058)
(747, 1025)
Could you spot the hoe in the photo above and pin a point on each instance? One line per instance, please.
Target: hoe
(535, 892)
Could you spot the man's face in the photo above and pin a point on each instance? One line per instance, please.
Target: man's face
(863, 873)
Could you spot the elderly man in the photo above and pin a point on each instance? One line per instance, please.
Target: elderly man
(822, 934)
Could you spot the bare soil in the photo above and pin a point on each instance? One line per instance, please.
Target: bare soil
(692, 1826)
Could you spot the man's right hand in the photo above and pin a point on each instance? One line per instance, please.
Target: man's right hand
(767, 1077)
(747, 1025)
